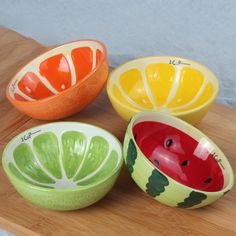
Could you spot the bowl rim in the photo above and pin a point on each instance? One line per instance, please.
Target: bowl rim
(11, 176)
(77, 84)
(178, 121)
(135, 110)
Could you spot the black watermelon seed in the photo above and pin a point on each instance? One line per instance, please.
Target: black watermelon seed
(208, 180)
(156, 162)
(185, 163)
(135, 137)
(169, 142)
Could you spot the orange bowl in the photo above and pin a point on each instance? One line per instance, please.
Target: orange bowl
(61, 81)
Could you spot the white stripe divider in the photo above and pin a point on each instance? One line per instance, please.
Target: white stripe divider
(175, 85)
(28, 177)
(197, 96)
(72, 67)
(40, 165)
(64, 176)
(94, 51)
(142, 69)
(111, 149)
(88, 139)
(29, 99)
(97, 170)
(45, 82)
(127, 97)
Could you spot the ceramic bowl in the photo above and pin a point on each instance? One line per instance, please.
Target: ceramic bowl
(175, 163)
(61, 81)
(173, 85)
(64, 165)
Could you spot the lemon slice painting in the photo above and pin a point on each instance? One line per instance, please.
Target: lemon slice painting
(172, 85)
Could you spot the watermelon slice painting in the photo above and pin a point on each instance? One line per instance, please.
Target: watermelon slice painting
(175, 163)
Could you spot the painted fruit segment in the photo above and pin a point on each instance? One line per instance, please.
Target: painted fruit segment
(191, 79)
(47, 150)
(57, 72)
(83, 61)
(73, 146)
(33, 87)
(160, 78)
(179, 156)
(163, 86)
(117, 93)
(98, 149)
(198, 100)
(131, 81)
(66, 161)
(109, 164)
(19, 175)
(25, 161)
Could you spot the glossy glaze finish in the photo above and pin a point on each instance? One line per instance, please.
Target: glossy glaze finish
(179, 156)
(64, 157)
(175, 163)
(174, 85)
(64, 80)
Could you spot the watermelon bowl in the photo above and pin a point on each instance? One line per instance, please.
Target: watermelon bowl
(174, 162)
(61, 81)
(63, 165)
(172, 85)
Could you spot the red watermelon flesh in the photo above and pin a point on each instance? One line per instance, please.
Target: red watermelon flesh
(179, 156)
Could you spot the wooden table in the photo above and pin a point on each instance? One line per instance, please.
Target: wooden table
(126, 210)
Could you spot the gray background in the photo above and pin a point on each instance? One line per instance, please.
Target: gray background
(200, 30)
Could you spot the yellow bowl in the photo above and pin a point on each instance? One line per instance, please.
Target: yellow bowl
(174, 85)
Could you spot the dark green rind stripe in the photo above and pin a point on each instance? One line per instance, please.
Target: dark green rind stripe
(156, 183)
(193, 199)
(131, 156)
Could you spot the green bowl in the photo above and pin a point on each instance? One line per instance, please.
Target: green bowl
(63, 165)
(174, 162)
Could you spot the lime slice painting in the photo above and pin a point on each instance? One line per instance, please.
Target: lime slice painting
(63, 158)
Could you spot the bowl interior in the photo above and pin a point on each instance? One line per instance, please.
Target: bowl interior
(182, 154)
(56, 70)
(164, 83)
(63, 155)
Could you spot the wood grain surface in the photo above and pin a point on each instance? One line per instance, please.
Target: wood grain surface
(126, 210)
